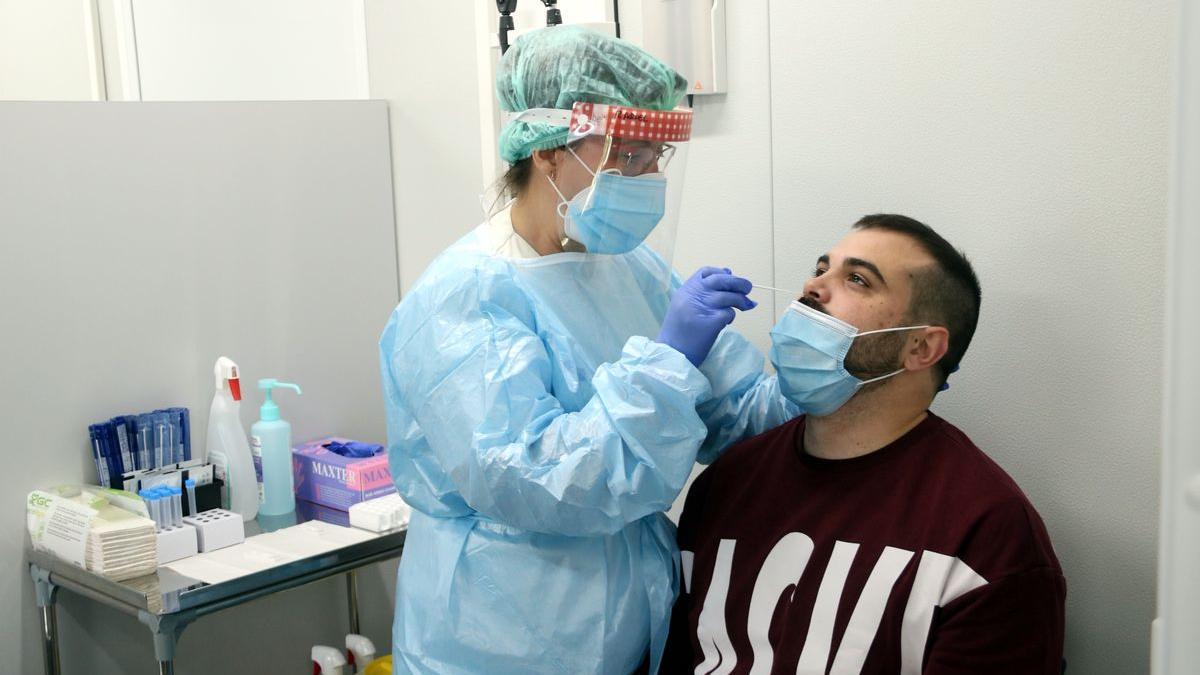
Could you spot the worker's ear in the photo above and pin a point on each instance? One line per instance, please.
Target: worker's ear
(546, 162)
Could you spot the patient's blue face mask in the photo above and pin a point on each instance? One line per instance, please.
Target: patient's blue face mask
(615, 213)
(808, 349)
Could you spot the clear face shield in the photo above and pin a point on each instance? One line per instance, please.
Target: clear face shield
(636, 159)
(644, 154)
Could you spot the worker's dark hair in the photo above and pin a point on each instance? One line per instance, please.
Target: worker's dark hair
(516, 179)
(945, 294)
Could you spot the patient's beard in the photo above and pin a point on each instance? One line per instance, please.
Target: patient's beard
(875, 355)
(870, 356)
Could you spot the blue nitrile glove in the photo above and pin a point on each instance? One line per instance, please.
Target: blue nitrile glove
(700, 308)
(353, 449)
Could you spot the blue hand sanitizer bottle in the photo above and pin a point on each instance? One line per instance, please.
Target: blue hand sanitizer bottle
(271, 449)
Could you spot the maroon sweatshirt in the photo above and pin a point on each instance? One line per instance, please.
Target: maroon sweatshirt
(921, 557)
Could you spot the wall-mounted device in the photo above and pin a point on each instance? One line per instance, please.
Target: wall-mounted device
(689, 35)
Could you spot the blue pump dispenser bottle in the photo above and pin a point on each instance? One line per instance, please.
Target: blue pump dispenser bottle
(271, 449)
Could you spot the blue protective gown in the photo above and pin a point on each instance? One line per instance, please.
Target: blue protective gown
(539, 435)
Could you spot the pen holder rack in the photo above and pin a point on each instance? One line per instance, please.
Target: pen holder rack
(217, 528)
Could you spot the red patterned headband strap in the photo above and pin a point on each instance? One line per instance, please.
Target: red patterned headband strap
(596, 119)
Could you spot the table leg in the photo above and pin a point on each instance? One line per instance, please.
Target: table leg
(166, 629)
(46, 595)
(352, 600)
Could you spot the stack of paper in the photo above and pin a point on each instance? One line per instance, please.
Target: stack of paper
(121, 545)
(87, 531)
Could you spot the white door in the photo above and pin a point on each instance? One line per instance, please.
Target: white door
(228, 50)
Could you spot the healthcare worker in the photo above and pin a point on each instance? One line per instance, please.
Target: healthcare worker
(544, 400)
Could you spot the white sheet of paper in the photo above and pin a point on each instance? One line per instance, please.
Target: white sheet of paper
(67, 525)
(209, 571)
(311, 538)
(268, 550)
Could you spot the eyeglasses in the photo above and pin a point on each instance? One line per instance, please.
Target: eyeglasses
(636, 157)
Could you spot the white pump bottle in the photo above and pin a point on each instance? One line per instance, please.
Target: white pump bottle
(228, 449)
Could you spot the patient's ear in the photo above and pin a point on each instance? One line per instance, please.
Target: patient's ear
(925, 347)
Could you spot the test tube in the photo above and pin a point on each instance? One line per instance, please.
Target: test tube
(191, 489)
(151, 497)
(165, 495)
(176, 506)
(145, 495)
(165, 507)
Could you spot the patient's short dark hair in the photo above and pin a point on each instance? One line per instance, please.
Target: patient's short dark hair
(946, 294)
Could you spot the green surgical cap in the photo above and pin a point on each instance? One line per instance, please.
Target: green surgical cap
(559, 66)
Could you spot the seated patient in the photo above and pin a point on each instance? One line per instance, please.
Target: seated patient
(869, 535)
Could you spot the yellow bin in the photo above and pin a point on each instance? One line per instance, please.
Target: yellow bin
(380, 666)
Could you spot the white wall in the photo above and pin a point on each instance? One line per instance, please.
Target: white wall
(229, 50)
(1176, 650)
(48, 51)
(423, 62)
(174, 50)
(1035, 136)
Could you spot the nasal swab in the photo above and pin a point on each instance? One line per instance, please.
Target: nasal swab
(777, 290)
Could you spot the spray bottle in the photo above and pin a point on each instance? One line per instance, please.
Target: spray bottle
(228, 450)
(271, 447)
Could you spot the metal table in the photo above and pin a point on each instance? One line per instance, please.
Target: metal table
(166, 602)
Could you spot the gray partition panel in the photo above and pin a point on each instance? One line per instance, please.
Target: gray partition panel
(140, 241)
